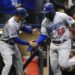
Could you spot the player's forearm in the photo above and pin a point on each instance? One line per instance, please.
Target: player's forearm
(38, 41)
(41, 39)
(20, 41)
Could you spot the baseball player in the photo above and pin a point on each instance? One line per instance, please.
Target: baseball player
(8, 47)
(55, 25)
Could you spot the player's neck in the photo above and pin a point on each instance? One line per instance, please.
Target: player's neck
(16, 19)
(51, 19)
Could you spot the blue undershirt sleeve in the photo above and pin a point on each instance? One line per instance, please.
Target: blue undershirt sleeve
(20, 41)
(38, 41)
(41, 39)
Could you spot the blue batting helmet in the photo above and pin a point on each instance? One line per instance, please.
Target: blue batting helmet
(48, 7)
(21, 11)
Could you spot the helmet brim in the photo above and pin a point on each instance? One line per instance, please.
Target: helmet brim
(45, 12)
(25, 15)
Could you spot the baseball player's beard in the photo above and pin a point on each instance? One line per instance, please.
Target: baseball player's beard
(50, 16)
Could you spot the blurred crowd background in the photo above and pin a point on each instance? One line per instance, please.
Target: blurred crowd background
(34, 8)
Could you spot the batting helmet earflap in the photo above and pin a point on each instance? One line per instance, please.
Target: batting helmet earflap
(48, 7)
(21, 11)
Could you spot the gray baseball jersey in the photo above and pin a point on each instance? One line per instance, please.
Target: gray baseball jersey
(57, 30)
(11, 29)
(59, 49)
(6, 49)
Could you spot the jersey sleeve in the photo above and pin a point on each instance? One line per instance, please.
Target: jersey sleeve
(12, 31)
(43, 29)
(69, 20)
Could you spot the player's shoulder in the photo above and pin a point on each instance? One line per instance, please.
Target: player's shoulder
(45, 21)
(61, 14)
(11, 22)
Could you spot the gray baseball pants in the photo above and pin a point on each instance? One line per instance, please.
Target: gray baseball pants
(11, 55)
(59, 56)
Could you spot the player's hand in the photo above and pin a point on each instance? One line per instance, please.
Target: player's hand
(32, 43)
(36, 31)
